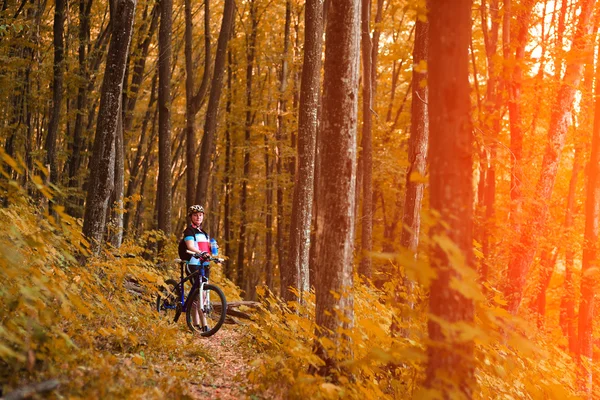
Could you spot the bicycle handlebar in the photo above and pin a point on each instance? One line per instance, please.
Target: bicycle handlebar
(205, 256)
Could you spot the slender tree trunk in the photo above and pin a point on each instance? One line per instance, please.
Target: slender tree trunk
(192, 100)
(518, 43)
(524, 249)
(103, 159)
(297, 274)
(210, 124)
(280, 135)
(365, 267)
(493, 109)
(57, 88)
(268, 215)
(164, 117)
(228, 180)
(190, 116)
(450, 366)
(590, 263)
(417, 152)
(136, 164)
(250, 53)
(116, 212)
(335, 235)
(81, 105)
(567, 307)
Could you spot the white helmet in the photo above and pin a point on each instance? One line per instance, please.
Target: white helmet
(195, 209)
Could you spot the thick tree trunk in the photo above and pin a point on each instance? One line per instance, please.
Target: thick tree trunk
(336, 184)
(164, 117)
(524, 249)
(210, 124)
(296, 273)
(450, 366)
(103, 159)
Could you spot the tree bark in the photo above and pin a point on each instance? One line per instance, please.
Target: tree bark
(103, 159)
(524, 249)
(450, 367)
(336, 184)
(296, 273)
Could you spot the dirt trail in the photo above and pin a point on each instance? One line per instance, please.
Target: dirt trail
(226, 373)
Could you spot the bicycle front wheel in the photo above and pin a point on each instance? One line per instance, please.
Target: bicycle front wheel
(207, 312)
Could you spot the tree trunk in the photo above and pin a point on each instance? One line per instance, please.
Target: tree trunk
(136, 164)
(164, 117)
(336, 184)
(103, 159)
(74, 157)
(365, 267)
(491, 122)
(296, 273)
(116, 205)
(228, 179)
(57, 88)
(450, 367)
(210, 124)
(523, 18)
(567, 306)
(417, 152)
(590, 263)
(250, 57)
(192, 101)
(280, 136)
(524, 250)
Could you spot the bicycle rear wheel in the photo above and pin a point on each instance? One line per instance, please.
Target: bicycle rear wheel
(214, 310)
(167, 300)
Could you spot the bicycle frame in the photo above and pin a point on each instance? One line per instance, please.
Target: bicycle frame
(185, 301)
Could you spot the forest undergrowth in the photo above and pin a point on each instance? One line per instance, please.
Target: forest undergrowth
(78, 327)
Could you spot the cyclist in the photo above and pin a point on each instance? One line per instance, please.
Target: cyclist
(197, 240)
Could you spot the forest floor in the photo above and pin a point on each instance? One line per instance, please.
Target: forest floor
(228, 366)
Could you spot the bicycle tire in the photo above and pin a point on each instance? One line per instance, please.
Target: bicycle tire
(215, 311)
(167, 300)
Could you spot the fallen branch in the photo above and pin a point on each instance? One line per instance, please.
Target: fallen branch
(30, 390)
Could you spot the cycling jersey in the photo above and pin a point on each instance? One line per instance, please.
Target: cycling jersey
(201, 239)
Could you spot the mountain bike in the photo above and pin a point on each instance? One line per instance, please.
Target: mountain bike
(204, 298)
